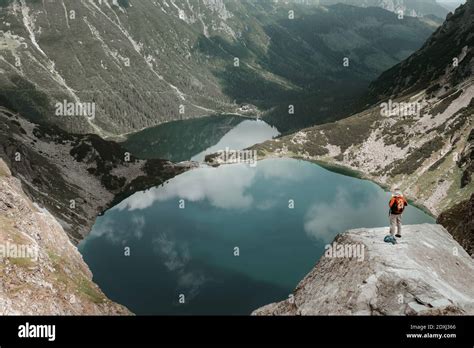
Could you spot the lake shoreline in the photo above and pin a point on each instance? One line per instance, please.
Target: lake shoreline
(339, 169)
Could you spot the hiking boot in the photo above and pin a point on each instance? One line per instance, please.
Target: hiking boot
(398, 235)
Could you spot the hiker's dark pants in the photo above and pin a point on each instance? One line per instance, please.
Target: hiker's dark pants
(395, 223)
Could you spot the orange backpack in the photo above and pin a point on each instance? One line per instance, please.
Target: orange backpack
(397, 205)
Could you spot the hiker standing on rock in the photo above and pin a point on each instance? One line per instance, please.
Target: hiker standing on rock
(397, 204)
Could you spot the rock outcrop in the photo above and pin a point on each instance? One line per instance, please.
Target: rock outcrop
(459, 221)
(41, 271)
(426, 273)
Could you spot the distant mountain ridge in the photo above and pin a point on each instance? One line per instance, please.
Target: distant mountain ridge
(446, 57)
(414, 8)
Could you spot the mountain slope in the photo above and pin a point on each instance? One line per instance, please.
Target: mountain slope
(446, 58)
(76, 177)
(53, 279)
(426, 273)
(147, 62)
(427, 153)
(414, 8)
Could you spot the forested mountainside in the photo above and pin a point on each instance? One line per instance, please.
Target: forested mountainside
(143, 63)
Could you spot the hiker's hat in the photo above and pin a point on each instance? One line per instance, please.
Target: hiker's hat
(397, 192)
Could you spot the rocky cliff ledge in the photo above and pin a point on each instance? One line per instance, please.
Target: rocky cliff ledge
(426, 273)
(41, 271)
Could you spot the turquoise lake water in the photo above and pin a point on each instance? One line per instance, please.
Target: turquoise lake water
(230, 239)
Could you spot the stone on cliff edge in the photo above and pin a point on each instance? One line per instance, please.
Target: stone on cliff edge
(426, 273)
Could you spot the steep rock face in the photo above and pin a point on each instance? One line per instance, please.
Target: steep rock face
(466, 160)
(52, 279)
(426, 273)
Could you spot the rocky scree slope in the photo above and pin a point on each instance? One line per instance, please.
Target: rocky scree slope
(426, 273)
(56, 281)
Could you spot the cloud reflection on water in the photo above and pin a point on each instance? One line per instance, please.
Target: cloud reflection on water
(245, 134)
(225, 187)
(348, 209)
